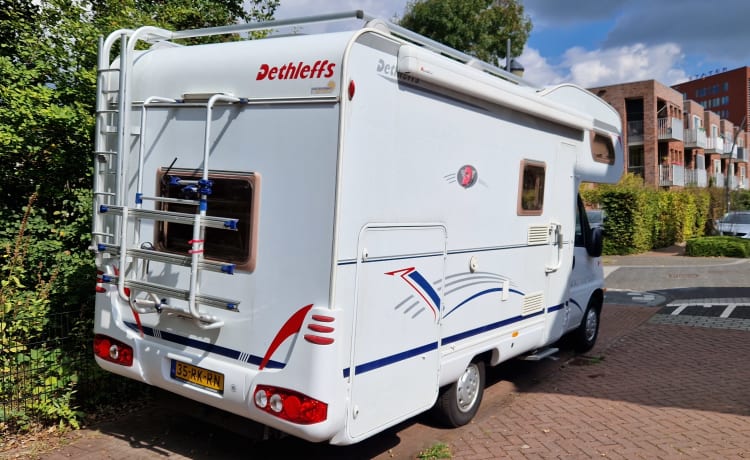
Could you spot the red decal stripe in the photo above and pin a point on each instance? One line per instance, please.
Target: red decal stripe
(317, 340)
(291, 327)
(319, 328)
(323, 319)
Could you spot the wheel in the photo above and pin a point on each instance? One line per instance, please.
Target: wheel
(459, 402)
(585, 336)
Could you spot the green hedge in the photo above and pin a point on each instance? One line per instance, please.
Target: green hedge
(718, 246)
(640, 218)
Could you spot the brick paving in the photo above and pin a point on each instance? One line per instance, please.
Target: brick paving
(657, 392)
(647, 390)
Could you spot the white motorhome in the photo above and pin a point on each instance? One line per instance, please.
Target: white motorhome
(331, 233)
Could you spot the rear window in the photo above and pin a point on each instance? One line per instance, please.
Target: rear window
(233, 196)
(602, 149)
(737, 218)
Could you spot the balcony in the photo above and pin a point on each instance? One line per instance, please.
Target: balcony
(670, 129)
(717, 180)
(671, 175)
(730, 151)
(695, 138)
(714, 145)
(696, 177)
(635, 132)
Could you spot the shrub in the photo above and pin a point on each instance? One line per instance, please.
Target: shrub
(718, 246)
(640, 218)
(35, 373)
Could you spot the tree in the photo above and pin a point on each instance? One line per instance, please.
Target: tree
(480, 28)
(47, 98)
(47, 102)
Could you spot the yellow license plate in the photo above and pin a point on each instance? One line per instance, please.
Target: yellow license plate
(198, 376)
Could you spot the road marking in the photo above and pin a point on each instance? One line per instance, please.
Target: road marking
(728, 311)
(678, 310)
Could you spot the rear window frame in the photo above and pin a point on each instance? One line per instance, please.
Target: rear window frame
(243, 254)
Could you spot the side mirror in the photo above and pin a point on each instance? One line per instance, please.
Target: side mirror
(595, 243)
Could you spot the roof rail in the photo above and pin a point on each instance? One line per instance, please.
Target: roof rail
(372, 21)
(264, 25)
(445, 50)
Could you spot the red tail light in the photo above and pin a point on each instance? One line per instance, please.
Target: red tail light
(113, 350)
(290, 405)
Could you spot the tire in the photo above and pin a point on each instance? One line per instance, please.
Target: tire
(458, 403)
(584, 338)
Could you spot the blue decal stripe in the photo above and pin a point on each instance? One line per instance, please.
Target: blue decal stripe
(555, 308)
(576, 304)
(426, 287)
(487, 327)
(388, 360)
(205, 346)
(372, 365)
(478, 294)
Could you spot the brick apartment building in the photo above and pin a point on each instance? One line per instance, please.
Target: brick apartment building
(726, 93)
(675, 142)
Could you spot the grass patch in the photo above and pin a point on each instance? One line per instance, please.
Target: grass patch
(439, 450)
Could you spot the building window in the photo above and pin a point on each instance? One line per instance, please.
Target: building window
(725, 86)
(635, 160)
(233, 196)
(700, 162)
(531, 193)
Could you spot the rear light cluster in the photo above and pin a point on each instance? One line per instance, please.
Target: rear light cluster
(290, 405)
(113, 350)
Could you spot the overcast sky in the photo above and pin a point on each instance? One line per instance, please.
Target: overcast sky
(601, 42)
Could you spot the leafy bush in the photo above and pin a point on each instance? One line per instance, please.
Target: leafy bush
(718, 246)
(32, 369)
(640, 218)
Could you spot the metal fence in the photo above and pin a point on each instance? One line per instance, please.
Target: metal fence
(54, 374)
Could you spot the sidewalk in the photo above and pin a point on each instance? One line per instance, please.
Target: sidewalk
(669, 269)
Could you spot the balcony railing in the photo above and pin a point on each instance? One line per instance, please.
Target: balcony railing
(671, 175)
(717, 180)
(696, 177)
(695, 138)
(635, 132)
(670, 129)
(730, 151)
(714, 145)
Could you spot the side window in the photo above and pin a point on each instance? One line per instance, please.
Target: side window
(531, 192)
(602, 149)
(233, 196)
